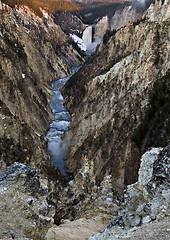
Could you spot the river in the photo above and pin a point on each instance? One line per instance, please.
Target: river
(60, 124)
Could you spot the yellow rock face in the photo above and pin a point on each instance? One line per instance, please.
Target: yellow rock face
(108, 97)
(32, 55)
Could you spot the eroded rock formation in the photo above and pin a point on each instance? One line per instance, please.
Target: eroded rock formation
(107, 99)
(69, 23)
(144, 201)
(141, 212)
(108, 96)
(100, 28)
(123, 16)
(24, 210)
(34, 52)
(159, 11)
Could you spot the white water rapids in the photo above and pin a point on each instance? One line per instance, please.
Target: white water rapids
(62, 119)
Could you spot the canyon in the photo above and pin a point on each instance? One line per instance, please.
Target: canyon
(34, 52)
(114, 177)
(108, 103)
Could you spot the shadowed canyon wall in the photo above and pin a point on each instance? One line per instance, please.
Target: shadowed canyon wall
(109, 95)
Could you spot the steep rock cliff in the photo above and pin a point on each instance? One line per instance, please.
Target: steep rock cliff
(24, 210)
(34, 52)
(100, 28)
(145, 203)
(123, 16)
(142, 211)
(108, 97)
(158, 11)
(69, 23)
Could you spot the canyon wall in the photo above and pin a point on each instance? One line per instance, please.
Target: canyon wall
(100, 28)
(130, 13)
(69, 23)
(119, 102)
(34, 52)
(108, 98)
(123, 16)
(142, 212)
(144, 209)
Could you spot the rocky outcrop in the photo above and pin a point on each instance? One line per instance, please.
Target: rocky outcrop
(83, 199)
(69, 23)
(130, 13)
(108, 103)
(123, 16)
(90, 208)
(159, 11)
(100, 28)
(25, 197)
(145, 201)
(34, 52)
(79, 229)
(143, 209)
(24, 210)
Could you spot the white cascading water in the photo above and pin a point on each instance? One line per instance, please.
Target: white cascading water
(86, 42)
(87, 36)
(56, 145)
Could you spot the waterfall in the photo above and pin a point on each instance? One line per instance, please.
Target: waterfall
(87, 36)
(86, 42)
(59, 126)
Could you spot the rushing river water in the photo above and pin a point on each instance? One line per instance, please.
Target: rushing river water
(59, 126)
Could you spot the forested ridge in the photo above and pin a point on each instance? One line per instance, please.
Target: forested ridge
(51, 6)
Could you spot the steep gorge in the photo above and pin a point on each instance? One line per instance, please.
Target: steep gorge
(109, 95)
(107, 98)
(34, 52)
